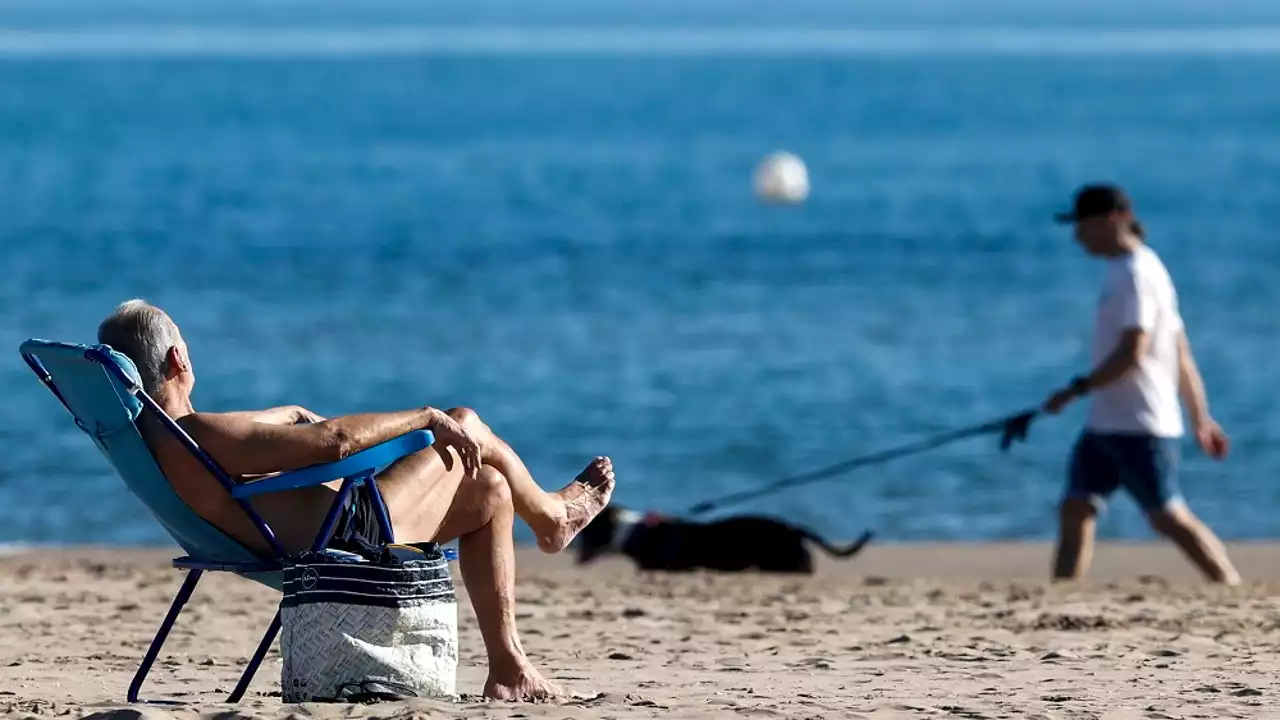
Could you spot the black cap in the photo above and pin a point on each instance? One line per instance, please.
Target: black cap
(1095, 200)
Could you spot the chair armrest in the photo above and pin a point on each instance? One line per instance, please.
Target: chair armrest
(364, 462)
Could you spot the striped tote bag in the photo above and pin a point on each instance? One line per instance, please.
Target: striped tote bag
(360, 628)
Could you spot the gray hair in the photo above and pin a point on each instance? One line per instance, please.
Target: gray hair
(145, 334)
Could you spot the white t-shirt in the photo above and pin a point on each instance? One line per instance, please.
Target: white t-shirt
(1138, 293)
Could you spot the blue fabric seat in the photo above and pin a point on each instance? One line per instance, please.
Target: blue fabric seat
(102, 390)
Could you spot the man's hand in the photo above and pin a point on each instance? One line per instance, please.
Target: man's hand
(1212, 439)
(1059, 400)
(306, 416)
(451, 434)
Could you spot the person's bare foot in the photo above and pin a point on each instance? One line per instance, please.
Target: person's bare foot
(525, 685)
(577, 504)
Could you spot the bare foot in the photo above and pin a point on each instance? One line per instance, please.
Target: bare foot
(576, 505)
(525, 685)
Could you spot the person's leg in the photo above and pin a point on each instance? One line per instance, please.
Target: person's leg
(1150, 467)
(1089, 481)
(431, 499)
(481, 519)
(555, 517)
(1196, 541)
(419, 490)
(1077, 523)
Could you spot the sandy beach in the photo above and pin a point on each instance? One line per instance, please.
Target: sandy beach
(963, 631)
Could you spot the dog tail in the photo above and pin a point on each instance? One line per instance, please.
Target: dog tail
(839, 551)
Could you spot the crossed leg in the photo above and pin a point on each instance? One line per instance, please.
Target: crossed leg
(487, 559)
(555, 518)
(431, 499)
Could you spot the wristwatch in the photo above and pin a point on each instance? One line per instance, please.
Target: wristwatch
(1079, 385)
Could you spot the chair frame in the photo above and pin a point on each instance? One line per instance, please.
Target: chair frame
(358, 468)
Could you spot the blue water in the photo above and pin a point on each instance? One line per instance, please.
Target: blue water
(543, 211)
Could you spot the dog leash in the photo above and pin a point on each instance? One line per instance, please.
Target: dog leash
(1011, 428)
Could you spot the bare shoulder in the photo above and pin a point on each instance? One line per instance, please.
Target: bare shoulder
(205, 426)
(205, 420)
(245, 447)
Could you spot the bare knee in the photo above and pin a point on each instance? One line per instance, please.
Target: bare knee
(1075, 538)
(1172, 523)
(489, 493)
(1075, 513)
(465, 416)
(470, 421)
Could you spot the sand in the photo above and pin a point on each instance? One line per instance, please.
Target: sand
(901, 631)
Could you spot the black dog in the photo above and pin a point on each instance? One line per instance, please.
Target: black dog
(731, 545)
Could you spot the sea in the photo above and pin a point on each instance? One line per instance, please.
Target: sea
(544, 211)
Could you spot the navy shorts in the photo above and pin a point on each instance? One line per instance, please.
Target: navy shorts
(1145, 465)
(357, 527)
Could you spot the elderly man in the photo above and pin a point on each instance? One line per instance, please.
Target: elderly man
(469, 486)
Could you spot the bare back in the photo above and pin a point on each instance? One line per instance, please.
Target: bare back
(295, 515)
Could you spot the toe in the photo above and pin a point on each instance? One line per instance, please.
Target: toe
(598, 472)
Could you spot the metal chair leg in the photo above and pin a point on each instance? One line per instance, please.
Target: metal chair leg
(322, 539)
(184, 594)
(256, 660)
(331, 520)
(380, 505)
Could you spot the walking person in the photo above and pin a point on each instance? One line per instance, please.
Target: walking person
(1142, 363)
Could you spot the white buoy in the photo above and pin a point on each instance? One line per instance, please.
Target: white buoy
(782, 178)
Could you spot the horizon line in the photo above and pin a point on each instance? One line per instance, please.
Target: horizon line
(372, 41)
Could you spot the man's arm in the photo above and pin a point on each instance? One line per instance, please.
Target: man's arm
(245, 447)
(1135, 311)
(1122, 360)
(1212, 439)
(1190, 384)
(283, 415)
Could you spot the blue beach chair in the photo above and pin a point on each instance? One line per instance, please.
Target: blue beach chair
(102, 390)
